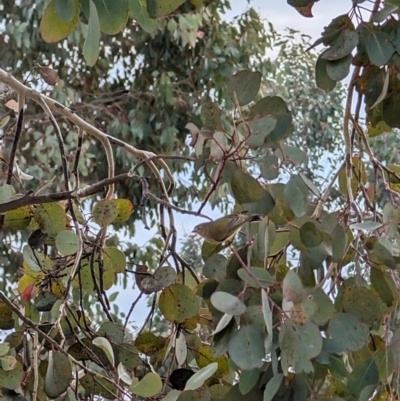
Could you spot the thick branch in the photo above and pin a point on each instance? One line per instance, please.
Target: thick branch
(30, 199)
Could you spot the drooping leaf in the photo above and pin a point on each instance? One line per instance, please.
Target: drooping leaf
(322, 78)
(244, 86)
(58, 375)
(248, 379)
(66, 9)
(55, 26)
(364, 374)
(92, 41)
(304, 7)
(138, 11)
(114, 259)
(113, 15)
(292, 287)
(272, 387)
(245, 188)
(105, 346)
(378, 45)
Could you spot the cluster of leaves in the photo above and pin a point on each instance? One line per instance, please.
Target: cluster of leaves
(250, 327)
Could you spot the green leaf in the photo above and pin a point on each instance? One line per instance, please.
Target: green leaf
(342, 46)
(4, 348)
(273, 106)
(114, 259)
(246, 347)
(7, 193)
(304, 7)
(340, 68)
(104, 212)
(296, 193)
(11, 379)
(384, 255)
(104, 277)
(379, 47)
(127, 354)
(173, 395)
(113, 15)
(299, 343)
(384, 285)
(292, 288)
(149, 343)
(366, 225)
(223, 322)
(138, 11)
(260, 128)
(8, 363)
(149, 386)
(66, 9)
(92, 40)
(67, 242)
(267, 312)
(248, 379)
(317, 306)
(272, 387)
(257, 278)
(322, 78)
(294, 154)
(215, 267)
(363, 304)
(44, 301)
(35, 260)
(245, 188)
(364, 374)
(53, 27)
(105, 346)
(161, 8)
(178, 303)
(58, 375)
(18, 219)
(51, 218)
(163, 277)
(227, 303)
(310, 235)
(386, 11)
(244, 86)
(339, 243)
(346, 331)
(198, 379)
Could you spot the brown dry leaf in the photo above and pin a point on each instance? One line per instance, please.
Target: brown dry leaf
(49, 75)
(13, 105)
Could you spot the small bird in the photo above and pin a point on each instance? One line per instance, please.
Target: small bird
(224, 228)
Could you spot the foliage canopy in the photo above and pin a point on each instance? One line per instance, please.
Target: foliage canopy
(303, 305)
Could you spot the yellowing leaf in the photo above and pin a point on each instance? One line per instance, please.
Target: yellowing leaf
(52, 27)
